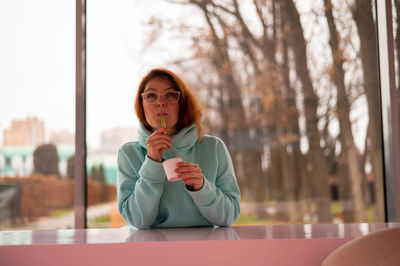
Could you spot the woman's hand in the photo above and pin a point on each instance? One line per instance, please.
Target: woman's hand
(157, 143)
(190, 174)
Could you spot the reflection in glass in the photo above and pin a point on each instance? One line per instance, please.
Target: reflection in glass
(128, 234)
(183, 234)
(22, 237)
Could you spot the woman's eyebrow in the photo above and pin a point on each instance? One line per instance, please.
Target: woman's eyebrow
(165, 89)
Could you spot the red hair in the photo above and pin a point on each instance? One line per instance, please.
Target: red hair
(190, 109)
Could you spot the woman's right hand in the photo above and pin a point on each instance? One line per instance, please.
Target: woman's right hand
(157, 143)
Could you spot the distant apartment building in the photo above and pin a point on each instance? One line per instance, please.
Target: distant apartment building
(62, 137)
(112, 139)
(28, 132)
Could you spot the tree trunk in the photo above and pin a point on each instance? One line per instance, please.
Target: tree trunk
(277, 182)
(234, 117)
(297, 163)
(317, 160)
(349, 149)
(268, 83)
(345, 188)
(253, 173)
(362, 14)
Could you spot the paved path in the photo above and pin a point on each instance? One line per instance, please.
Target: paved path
(68, 221)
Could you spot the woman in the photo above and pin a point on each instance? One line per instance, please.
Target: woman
(207, 193)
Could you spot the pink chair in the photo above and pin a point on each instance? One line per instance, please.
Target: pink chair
(380, 248)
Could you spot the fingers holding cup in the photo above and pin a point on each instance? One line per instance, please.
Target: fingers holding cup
(190, 174)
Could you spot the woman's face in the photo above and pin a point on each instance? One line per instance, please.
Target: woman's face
(154, 111)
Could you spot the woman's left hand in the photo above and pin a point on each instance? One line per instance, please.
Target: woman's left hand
(190, 174)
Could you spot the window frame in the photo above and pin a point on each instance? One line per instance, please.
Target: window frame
(389, 109)
(80, 185)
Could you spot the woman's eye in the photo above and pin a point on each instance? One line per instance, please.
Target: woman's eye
(151, 96)
(171, 95)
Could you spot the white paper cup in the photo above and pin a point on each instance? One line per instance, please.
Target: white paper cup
(169, 168)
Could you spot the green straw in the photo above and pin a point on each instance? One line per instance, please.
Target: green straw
(163, 124)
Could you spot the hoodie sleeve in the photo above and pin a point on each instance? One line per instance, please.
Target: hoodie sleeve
(139, 190)
(220, 202)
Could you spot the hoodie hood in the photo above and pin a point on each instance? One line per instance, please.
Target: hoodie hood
(181, 142)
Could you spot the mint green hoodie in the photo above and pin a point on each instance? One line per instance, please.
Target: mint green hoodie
(147, 199)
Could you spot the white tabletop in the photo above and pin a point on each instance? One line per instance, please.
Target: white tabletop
(127, 234)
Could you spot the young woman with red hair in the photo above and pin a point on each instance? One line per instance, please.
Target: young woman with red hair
(207, 193)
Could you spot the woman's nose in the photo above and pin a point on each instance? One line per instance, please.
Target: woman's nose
(160, 101)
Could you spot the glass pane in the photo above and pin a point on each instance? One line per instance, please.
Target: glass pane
(110, 93)
(293, 99)
(37, 84)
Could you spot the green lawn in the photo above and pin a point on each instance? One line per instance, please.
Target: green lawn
(244, 219)
(100, 222)
(251, 220)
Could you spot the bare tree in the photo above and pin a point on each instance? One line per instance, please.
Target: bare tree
(349, 149)
(259, 86)
(247, 156)
(317, 161)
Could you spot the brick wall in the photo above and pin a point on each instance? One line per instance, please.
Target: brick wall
(40, 194)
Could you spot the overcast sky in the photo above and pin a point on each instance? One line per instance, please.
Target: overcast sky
(37, 61)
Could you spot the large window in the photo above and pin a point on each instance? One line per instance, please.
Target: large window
(37, 103)
(290, 86)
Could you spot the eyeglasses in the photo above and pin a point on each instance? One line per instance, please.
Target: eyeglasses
(168, 97)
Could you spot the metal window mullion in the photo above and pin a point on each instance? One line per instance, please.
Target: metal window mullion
(80, 118)
(390, 125)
